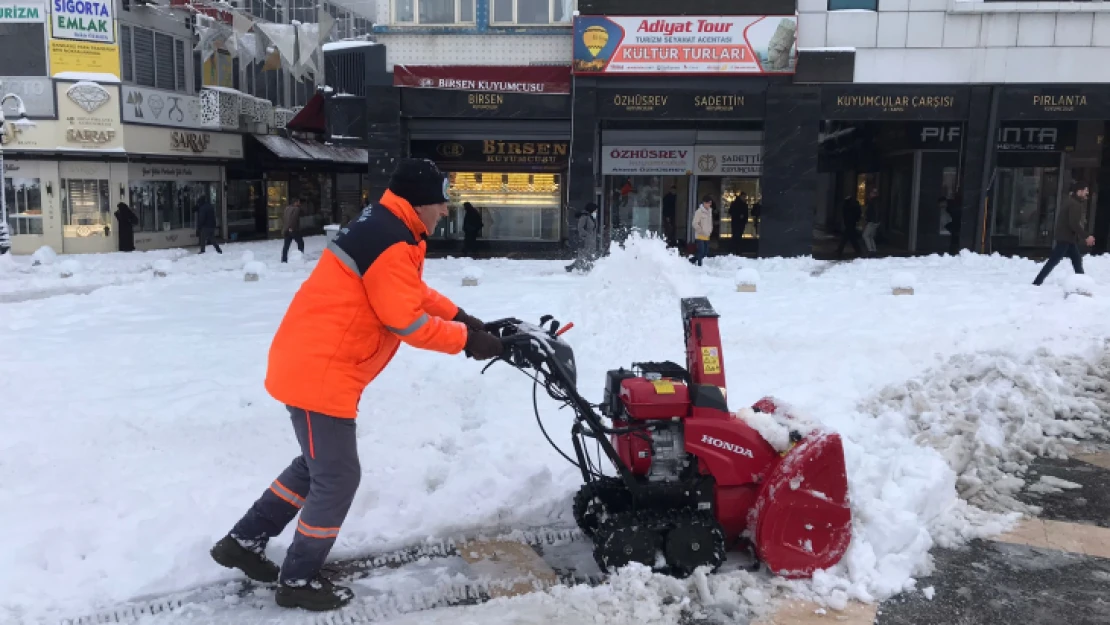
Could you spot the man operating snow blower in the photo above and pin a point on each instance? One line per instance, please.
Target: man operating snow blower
(365, 296)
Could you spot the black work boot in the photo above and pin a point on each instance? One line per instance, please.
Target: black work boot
(316, 595)
(252, 560)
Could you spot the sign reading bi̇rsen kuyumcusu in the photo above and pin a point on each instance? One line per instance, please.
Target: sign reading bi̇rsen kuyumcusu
(83, 20)
(685, 44)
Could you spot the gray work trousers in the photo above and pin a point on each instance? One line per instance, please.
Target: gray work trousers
(320, 484)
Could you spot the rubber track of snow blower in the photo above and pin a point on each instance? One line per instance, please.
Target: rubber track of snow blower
(369, 609)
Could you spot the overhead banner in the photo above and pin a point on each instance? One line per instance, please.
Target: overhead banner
(728, 160)
(685, 45)
(647, 160)
(494, 78)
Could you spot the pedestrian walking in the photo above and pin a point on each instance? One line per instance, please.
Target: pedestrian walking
(954, 225)
(125, 232)
(587, 239)
(850, 213)
(871, 217)
(472, 228)
(703, 229)
(1071, 232)
(738, 212)
(206, 225)
(291, 226)
(364, 298)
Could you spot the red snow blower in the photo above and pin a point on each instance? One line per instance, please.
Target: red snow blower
(693, 480)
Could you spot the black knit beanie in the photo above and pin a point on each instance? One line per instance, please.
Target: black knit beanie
(419, 181)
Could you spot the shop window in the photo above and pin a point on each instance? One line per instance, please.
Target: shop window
(152, 59)
(24, 204)
(433, 12)
(849, 5)
(86, 208)
(277, 198)
(24, 41)
(167, 205)
(532, 11)
(514, 206)
(749, 210)
(1025, 204)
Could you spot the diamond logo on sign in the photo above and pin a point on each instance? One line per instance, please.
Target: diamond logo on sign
(88, 95)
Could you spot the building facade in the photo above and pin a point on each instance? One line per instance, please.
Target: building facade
(128, 108)
(943, 116)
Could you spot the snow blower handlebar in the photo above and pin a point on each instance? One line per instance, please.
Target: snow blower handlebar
(542, 350)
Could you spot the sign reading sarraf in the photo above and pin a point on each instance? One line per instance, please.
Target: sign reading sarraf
(196, 142)
(495, 152)
(90, 136)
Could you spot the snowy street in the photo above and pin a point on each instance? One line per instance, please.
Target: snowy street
(138, 428)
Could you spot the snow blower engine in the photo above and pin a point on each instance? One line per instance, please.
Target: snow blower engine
(692, 479)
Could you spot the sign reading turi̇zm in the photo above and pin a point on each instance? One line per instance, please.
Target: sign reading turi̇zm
(687, 44)
(83, 20)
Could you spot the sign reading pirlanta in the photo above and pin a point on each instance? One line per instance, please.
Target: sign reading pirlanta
(685, 45)
(83, 20)
(534, 79)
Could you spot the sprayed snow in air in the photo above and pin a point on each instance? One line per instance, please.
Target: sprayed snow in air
(150, 394)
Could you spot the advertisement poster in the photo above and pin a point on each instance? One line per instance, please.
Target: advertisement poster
(83, 20)
(639, 159)
(79, 56)
(685, 45)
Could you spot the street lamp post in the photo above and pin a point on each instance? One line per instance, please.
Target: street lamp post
(20, 122)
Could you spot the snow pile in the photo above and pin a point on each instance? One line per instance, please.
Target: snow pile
(69, 268)
(747, 277)
(1079, 284)
(162, 268)
(254, 270)
(247, 257)
(903, 280)
(775, 427)
(7, 263)
(45, 255)
(991, 414)
(296, 257)
(472, 275)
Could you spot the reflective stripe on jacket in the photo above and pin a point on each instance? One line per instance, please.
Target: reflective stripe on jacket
(365, 296)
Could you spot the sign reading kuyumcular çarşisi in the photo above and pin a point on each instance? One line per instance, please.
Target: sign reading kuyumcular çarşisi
(83, 20)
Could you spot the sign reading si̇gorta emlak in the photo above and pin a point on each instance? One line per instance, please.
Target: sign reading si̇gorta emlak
(83, 20)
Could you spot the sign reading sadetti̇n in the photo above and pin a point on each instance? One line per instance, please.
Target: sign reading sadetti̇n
(685, 45)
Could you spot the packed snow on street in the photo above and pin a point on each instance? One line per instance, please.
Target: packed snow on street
(137, 429)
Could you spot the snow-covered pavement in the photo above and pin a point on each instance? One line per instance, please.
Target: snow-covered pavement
(138, 430)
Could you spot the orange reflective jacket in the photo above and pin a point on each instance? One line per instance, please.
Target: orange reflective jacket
(364, 297)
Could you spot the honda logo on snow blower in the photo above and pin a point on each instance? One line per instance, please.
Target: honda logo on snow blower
(736, 449)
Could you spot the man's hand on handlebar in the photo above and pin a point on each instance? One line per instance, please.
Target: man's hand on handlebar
(481, 345)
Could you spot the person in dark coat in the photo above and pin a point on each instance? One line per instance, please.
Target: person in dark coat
(472, 228)
(1071, 232)
(955, 213)
(670, 211)
(127, 222)
(206, 225)
(738, 212)
(851, 212)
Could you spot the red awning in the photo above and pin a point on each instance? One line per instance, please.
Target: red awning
(311, 118)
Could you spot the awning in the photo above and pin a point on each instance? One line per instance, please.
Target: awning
(301, 150)
(310, 118)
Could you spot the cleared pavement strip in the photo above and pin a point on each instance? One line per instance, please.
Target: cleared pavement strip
(512, 567)
(1078, 538)
(806, 613)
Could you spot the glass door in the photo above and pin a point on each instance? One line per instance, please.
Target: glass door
(1025, 200)
(86, 210)
(277, 198)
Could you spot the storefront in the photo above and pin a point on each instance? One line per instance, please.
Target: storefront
(63, 178)
(899, 148)
(328, 179)
(168, 174)
(678, 108)
(698, 143)
(1047, 138)
(503, 137)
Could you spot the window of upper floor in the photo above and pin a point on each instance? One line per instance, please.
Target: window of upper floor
(531, 12)
(433, 12)
(149, 58)
(848, 5)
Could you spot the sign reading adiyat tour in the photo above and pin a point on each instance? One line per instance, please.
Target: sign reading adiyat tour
(685, 45)
(83, 20)
(647, 159)
(493, 78)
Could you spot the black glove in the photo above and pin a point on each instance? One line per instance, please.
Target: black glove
(481, 345)
(472, 323)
